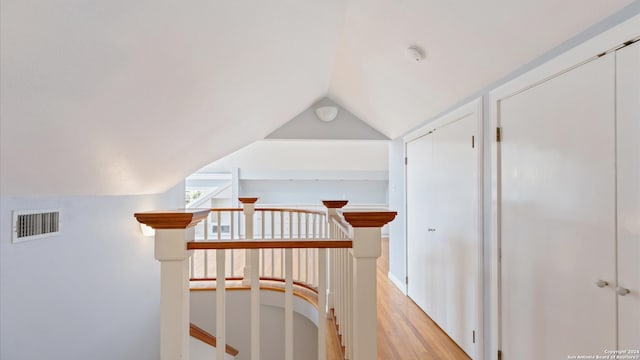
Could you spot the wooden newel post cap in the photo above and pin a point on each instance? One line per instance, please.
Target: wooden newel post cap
(368, 218)
(335, 204)
(248, 200)
(172, 219)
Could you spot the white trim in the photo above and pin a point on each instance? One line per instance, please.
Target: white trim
(472, 108)
(328, 175)
(399, 284)
(560, 64)
(590, 48)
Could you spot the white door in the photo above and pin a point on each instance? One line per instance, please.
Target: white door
(442, 203)
(558, 216)
(628, 176)
(420, 205)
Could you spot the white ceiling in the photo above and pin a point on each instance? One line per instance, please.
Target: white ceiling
(111, 97)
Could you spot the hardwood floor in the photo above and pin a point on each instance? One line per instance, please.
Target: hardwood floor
(405, 332)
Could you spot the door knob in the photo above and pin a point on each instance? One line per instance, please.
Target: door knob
(601, 283)
(622, 291)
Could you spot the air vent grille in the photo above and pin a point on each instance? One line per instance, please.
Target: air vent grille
(35, 224)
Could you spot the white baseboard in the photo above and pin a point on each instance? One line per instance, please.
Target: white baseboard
(399, 284)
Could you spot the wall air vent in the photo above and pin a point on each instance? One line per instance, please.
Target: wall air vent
(35, 224)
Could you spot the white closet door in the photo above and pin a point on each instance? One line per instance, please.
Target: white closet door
(420, 205)
(558, 216)
(455, 240)
(442, 204)
(628, 176)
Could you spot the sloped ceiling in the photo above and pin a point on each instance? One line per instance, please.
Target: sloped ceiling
(111, 97)
(469, 44)
(125, 97)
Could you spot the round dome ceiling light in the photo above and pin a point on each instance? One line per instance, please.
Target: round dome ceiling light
(327, 113)
(415, 53)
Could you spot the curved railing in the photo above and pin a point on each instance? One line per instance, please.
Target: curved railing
(334, 252)
(274, 224)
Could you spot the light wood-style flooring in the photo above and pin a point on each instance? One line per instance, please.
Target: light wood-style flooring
(405, 332)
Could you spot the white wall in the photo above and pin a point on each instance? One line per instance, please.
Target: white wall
(397, 240)
(199, 350)
(311, 192)
(307, 171)
(238, 316)
(90, 293)
(306, 155)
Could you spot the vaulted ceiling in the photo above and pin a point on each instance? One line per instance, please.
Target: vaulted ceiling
(111, 97)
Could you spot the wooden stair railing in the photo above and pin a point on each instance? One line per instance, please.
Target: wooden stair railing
(207, 338)
(346, 274)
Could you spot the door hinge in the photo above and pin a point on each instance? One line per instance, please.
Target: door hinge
(406, 280)
(629, 42)
(473, 142)
(499, 355)
(474, 336)
(406, 160)
(498, 134)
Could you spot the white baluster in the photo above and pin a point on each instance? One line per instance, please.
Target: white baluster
(298, 251)
(282, 261)
(219, 220)
(232, 225)
(273, 251)
(206, 228)
(322, 305)
(220, 305)
(350, 306)
(288, 305)
(192, 266)
(205, 253)
(255, 307)
(307, 272)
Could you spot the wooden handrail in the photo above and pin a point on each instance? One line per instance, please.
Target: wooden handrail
(226, 209)
(207, 338)
(271, 244)
(304, 211)
(298, 290)
(262, 278)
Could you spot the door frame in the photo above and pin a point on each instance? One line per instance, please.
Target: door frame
(472, 108)
(581, 54)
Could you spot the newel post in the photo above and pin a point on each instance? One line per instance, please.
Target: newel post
(249, 209)
(367, 247)
(332, 210)
(252, 275)
(173, 230)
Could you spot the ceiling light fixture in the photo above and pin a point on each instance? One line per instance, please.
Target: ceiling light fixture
(327, 113)
(415, 53)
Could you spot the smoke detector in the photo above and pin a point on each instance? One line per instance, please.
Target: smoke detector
(415, 53)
